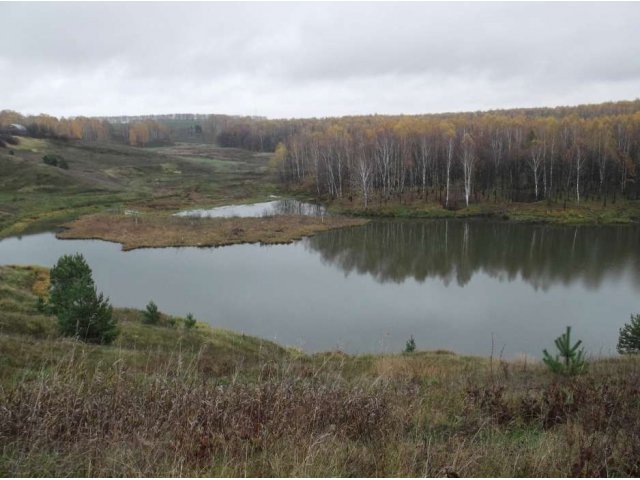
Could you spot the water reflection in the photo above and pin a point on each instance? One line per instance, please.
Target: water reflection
(285, 206)
(453, 285)
(455, 250)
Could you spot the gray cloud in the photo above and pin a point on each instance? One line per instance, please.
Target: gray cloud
(314, 59)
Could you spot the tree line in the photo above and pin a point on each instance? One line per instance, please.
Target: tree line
(140, 133)
(458, 159)
(557, 154)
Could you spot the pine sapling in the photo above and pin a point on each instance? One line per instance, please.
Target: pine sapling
(629, 339)
(570, 360)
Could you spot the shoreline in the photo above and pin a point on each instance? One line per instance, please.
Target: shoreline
(589, 213)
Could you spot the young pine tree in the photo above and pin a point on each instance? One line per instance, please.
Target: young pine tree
(570, 360)
(629, 339)
(81, 311)
(151, 313)
(70, 270)
(190, 321)
(410, 345)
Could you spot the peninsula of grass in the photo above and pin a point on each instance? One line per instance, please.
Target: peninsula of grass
(587, 213)
(156, 230)
(166, 400)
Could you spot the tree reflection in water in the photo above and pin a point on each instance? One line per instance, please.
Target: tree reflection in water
(453, 250)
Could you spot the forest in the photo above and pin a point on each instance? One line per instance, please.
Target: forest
(587, 152)
(456, 159)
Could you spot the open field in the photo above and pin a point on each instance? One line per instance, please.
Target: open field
(165, 400)
(35, 196)
(170, 231)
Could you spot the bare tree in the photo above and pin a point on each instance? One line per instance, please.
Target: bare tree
(468, 160)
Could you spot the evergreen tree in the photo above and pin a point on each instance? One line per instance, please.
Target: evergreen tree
(410, 345)
(89, 316)
(73, 298)
(67, 272)
(190, 321)
(629, 339)
(570, 360)
(151, 313)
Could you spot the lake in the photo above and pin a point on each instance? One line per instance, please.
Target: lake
(285, 206)
(452, 284)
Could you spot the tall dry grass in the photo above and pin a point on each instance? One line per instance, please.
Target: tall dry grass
(428, 414)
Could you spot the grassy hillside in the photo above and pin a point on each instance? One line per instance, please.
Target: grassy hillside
(165, 400)
(101, 177)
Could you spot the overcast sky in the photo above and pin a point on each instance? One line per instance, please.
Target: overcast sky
(322, 59)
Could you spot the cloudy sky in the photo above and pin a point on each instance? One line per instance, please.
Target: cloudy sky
(320, 59)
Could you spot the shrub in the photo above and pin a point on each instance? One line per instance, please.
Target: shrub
(73, 298)
(189, 321)
(55, 161)
(50, 160)
(570, 360)
(173, 322)
(629, 339)
(41, 306)
(151, 314)
(410, 346)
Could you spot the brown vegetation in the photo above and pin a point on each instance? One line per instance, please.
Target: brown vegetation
(168, 401)
(170, 231)
(323, 415)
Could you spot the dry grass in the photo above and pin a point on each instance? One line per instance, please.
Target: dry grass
(166, 401)
(304, 417)
(171, 231)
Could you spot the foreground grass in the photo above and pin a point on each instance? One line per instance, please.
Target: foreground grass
(172, 231)
(167, 401)
(587, 213)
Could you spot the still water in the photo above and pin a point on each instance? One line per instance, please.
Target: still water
(451, 284)
(285, 206)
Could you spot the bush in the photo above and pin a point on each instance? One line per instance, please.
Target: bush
(55, 161)
(73, 298)
(41, 306)
(629, 339)
(190, 321)
(570, 360)
(50, 160)
(410, 346)
(151, 315)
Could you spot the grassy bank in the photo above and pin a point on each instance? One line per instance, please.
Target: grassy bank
(170, 231)
(587, 213)
(35, 196)
(165, 400)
